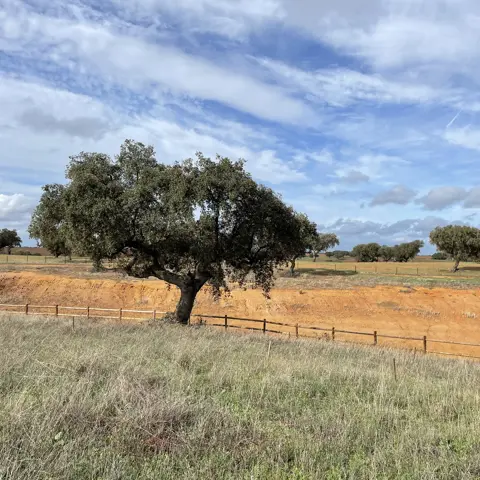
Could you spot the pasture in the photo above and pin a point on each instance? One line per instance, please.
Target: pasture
(157, 401)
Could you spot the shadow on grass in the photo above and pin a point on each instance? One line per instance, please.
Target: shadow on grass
(473, 268)
(327, 272)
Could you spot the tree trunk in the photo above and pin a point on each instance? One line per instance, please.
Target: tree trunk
(455, 267)
(185, 304)
(315, 258)
(292, 268)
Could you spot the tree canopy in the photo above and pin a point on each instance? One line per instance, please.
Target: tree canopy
(367, 252)
(387, 253)
(194, 222)
(407, 251)
(322, 242)
(461, 243)
(9, 239)
(48, 223)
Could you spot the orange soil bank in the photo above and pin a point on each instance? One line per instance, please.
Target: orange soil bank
(439, 313)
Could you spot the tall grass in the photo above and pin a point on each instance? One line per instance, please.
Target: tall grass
(166, 402)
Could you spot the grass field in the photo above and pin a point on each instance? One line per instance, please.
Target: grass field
(423, 267)
(158, 401)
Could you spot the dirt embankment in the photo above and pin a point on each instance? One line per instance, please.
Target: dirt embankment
(439, 313)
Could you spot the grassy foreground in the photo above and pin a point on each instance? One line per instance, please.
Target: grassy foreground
(166, 402)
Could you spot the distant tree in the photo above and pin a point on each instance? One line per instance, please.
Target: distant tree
(461, 243)
(9, 239)
(329, 254)
(321, 242)
(340, 254)
(407, 251)
(369, 252)
(306, 239)
(387, 253)
(48, 222)
(439, 256)
(190, 224)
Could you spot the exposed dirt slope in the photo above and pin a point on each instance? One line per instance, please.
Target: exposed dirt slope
(438, 313)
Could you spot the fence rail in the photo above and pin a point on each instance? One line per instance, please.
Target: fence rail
(295, 329)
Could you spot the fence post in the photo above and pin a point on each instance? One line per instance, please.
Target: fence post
(375, 338)
(226, 322)
(264, 325)
(88, 312)
(73, 323)
(45, 259)
(154, 315)
(333, 333)
(26, 309)
(296, 330)
(396, 270)
(56, 310)
(425, 344)
(120, 312)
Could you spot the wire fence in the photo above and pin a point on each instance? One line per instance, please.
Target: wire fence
(420, 343)
(383, 268)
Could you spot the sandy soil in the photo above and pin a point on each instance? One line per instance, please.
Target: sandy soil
(439, 313)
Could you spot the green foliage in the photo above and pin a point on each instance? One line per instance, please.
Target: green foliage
(48, 221)
(407, 251)
(321, 242)
(387, 253)
(369, 252)
(9, 239)
(306, 236)
(26, 253)
(461, 243)
(190, 223)
(439, 256)
(339, 254)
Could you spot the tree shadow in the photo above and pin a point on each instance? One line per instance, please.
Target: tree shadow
(326, 272)
(473, 268)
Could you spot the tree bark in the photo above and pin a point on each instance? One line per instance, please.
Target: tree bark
(455, 267)
(292, 268)
(315, 258)
(185, 304)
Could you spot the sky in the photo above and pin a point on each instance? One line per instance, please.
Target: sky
(364, 115)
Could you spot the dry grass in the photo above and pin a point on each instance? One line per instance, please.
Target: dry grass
(156, 401)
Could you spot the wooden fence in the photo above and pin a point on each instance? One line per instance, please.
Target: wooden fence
(224, 321)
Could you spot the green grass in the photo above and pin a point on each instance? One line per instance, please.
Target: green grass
(168, 402)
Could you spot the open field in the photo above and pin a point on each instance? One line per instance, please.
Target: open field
(425, 268)
(157, 401)
(402, 309)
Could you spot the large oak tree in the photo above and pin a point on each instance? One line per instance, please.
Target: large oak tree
(460, 242)
(192, 223)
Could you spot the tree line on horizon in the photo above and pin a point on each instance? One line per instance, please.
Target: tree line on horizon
(195, 223)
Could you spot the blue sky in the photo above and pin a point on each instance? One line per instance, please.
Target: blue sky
(365, 115)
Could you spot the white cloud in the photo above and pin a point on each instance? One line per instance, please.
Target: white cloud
(399, 195)
(144, 66)
(13, 207)
(464, 137)
(442, 197)
(472, 199)
(341, 87)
